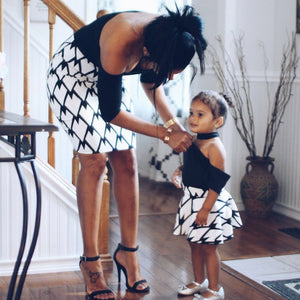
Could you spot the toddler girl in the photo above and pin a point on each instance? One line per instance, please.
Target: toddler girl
(207, 214)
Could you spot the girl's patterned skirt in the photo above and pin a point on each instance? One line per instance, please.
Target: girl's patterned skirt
(223, 218)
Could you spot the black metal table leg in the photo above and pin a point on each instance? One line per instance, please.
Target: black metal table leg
(20, 132)
(24, 232)
(35, 231)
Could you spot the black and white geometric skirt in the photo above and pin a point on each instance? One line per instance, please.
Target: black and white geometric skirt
(73, 97)
(223, 218)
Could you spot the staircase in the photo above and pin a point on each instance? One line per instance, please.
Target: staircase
(59, 243)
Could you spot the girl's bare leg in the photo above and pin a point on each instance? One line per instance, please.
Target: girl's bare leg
(126, 191)
(198, 263)
(89, 189)
(212, 261)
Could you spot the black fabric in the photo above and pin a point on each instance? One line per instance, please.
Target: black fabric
(87, 38)
(216, 178)
(148, 76)
(207, 136)
(109, 94)
(109, 86)
(198, 172)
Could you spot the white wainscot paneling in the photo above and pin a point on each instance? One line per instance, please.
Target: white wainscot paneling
(59, 244)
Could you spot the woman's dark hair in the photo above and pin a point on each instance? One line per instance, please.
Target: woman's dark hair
(217, 102)
(172, 41)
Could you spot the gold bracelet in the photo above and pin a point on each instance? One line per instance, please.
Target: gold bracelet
(166, 139)
(171, 122)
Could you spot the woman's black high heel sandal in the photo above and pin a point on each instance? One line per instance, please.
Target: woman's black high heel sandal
(120, 267)
(100, 292)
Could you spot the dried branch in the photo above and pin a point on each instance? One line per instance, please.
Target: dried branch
(238, 87)
(241, 107)
(283, 93)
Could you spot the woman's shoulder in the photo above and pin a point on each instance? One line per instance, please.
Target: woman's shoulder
(121, 42)
(129, 22)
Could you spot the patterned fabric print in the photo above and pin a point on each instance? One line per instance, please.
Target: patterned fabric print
(164, 162)
(73, 96)
(223, 218)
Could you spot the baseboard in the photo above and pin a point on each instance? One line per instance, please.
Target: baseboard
(278, 208)
(39, 266)
(287, 211)
(51, 265)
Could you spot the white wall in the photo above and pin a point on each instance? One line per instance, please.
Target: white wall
(270, 22)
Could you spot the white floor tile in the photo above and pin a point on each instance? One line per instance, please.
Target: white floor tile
(292, 260)
(260, 266)
(268, 268)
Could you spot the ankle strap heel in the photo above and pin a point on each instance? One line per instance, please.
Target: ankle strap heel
(87, 258)
(120, 268)
(94, 294)
(124, 248)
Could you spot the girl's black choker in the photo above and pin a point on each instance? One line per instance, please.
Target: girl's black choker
(207, 136)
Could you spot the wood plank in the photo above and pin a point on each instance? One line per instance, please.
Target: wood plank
(12, 124)
(165, 259)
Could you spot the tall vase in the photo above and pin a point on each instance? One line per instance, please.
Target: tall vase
(259, 187)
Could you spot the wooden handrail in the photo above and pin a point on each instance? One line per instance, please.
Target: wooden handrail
(65, 13)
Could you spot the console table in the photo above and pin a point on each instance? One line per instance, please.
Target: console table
(20, 132)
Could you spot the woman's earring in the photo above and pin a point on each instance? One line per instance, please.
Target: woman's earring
(145, 51)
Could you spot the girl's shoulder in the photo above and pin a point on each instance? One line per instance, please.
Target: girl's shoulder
(217, 154)
(214, 151)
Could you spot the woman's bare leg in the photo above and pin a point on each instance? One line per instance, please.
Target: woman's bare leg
(89, 194)
(126, 191)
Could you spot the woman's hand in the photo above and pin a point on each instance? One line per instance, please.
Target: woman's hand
(179, 140)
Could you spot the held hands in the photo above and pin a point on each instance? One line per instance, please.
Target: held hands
(178, 140)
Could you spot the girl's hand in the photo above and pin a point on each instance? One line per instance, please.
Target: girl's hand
(179, 140)
(176, 178)
(201, 218)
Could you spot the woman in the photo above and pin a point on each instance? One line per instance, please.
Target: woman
(86, 94)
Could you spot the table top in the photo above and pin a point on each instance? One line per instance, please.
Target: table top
(13, 124)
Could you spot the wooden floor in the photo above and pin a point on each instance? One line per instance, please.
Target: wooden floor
(165, 259)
